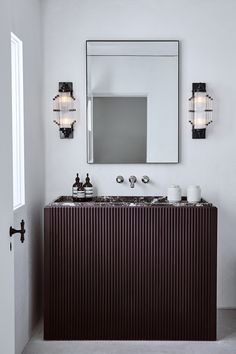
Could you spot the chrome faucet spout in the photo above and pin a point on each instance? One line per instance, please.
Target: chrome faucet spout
(132, 181)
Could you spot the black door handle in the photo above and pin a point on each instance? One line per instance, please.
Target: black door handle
(13, 231)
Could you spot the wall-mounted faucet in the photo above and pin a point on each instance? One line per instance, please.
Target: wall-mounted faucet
(132, 181)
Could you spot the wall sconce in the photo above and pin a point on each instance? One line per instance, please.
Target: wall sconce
(63, 106)
(200, 110)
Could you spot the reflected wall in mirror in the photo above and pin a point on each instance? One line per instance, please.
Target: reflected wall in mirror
(132, 101)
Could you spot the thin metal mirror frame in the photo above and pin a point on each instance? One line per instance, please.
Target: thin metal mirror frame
(86, 110)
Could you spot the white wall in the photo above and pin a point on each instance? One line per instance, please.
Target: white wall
(26, 24)
(206, 30)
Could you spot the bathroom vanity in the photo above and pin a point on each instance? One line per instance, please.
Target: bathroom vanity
(130, 268)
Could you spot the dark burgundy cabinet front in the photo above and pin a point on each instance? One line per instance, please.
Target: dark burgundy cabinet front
(130, 273)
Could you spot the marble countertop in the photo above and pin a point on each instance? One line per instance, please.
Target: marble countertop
(126, 201)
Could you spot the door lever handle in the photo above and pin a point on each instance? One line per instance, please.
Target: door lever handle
(13, 231)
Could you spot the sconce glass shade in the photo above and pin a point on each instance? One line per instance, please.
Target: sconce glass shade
(63, 107)
(200, 110)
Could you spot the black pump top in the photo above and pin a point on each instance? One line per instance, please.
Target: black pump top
(77, 179)
(87, 181)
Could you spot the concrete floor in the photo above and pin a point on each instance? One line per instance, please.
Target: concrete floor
(226, 343)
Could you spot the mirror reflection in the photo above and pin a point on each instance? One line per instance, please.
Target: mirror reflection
(132, 101)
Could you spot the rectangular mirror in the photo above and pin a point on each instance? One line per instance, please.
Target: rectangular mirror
(132, 101)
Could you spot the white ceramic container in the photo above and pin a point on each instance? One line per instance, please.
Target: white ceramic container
(194, 194)
(174, 194)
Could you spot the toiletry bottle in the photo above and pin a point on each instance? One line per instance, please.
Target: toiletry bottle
(75, 186)
(80, 192)
(88, 187)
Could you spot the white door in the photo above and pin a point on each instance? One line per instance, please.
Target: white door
(7, 322)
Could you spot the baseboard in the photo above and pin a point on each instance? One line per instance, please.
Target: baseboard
(226, 308)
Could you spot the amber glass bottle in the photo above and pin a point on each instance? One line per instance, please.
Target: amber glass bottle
(88, 187)
(75, 186)
(80, 192)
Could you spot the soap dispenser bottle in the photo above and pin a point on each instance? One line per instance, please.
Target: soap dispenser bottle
(75, 186)
(88, 187)
(80, 192)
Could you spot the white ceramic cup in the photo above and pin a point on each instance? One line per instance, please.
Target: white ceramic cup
(174, 194)
(193, 194)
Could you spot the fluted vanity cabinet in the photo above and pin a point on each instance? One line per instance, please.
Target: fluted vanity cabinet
(130, 271)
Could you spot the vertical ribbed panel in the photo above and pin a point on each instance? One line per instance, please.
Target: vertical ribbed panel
(130, 273)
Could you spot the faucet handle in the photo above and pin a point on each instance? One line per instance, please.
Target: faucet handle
(145, 179)
(119, 179)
